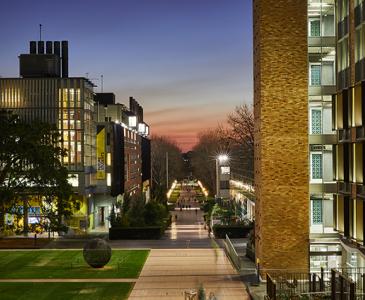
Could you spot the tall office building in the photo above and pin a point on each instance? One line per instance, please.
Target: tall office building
(325, 246)
(349, 122)
(281, 133)
(44, 92)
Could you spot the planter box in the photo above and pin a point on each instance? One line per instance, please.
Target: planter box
(233, 231)
(136, 233)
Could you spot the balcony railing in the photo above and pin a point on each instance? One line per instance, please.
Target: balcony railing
(344, 135)
(360, 133)
(344, 187)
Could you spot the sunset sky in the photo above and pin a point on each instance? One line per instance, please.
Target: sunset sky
(188, 62)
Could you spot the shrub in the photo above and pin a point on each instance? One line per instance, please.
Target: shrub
(233, 231)
(135, 214)
(154, 214)
(136, 233)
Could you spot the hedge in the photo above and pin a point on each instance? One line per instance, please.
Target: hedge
(233, 231)
(136, 233)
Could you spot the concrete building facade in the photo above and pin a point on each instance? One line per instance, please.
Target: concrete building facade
(322, 85)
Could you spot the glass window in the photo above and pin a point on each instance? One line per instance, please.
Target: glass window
(73, 179)
(315, 27)
(109, 159)
(316, 166)
(108, 179)
(316, 121)
(358, 45)
(315, 75)
(317, 211)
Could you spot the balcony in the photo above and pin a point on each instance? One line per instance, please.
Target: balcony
(359, 70)
(343, 79)
(344, 135)
(325, 187)
(321, 90)
(343, 27)
(318, 41)
(322, 139)
(358, 15)
(360, 133)
(360, 191)
(344, 188)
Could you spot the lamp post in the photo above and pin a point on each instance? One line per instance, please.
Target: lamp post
(222, 175)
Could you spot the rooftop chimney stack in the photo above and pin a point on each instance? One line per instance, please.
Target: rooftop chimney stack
(40, 47)
(33, 47)
(64, 59)
(49, 47)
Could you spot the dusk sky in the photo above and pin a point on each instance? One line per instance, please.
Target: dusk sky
(188, 62)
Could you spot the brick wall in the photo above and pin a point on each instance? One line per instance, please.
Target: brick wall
(281, 133)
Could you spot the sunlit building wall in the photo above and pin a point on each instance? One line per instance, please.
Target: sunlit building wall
(281, 134)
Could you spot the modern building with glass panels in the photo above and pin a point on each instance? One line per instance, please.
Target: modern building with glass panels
(67, 102)
(349, 123)
(322, 85)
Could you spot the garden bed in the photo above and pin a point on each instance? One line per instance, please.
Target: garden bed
(233, 231)
(136, 233)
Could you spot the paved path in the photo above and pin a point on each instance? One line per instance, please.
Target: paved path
(169, 272)
(186, 259)
(70, 280)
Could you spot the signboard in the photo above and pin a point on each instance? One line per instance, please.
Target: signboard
(100, 153)
(225, 170)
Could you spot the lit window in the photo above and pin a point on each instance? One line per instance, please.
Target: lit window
(317, 217)
(109, 159)
(225, 170)
(142, 128)
(108, 179)
(316, 121)
(132, 121)
(73, 179)
(316, 165)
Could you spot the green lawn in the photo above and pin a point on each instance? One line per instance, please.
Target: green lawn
(69, 264)
(63, 291)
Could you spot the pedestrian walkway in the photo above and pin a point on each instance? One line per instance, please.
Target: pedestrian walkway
(167, 273)
(129, 280)
(187, 259)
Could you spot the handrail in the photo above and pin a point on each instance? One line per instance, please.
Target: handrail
(232, 253)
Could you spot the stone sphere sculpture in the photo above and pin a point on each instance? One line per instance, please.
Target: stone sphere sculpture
(97, 253)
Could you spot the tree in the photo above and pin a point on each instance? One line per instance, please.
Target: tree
(162, 148)
(236, 140)
(30, 167)
(241, 132)
(211, 143)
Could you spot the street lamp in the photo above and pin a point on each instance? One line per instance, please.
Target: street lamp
(222, 175)
(223, 158)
